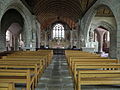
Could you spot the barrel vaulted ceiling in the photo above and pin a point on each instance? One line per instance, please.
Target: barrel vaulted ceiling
(68, 11)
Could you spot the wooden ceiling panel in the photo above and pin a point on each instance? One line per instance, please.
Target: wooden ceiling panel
(69, 11)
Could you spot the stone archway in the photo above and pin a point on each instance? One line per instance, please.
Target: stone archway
(29, 24)
(13, 21)
(14, 36)
(91, 13)
(113, 34)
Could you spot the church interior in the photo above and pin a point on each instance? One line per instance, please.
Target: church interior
(59, 44)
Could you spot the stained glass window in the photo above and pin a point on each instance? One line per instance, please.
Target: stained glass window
(58, 31)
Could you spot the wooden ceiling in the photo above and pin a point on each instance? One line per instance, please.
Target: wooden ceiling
(68, 11)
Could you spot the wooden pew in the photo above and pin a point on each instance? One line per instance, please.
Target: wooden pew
(34, 68)
(17, 76)
(45, 57)
(7, 86)
(84, 57)
(39, 63)
(79, 53)
(93, 67)
(98, 77)
(27, 59)
(91, 61)
(35, 62)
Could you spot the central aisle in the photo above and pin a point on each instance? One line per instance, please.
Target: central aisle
(56, 76)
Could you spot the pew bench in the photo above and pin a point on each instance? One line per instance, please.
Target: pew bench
(43, 58)
(41, 61)
(17, 77)
(91, 61)
(82, 67)
(7, 86)
(25, 63)
(98, 77)
(34, 68)
(85, 57)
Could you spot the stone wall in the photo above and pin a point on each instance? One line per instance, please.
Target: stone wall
(109, 20)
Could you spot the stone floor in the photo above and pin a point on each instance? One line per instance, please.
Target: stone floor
(56, 76)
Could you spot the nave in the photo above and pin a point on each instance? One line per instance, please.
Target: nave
(45, 70)
(85, 30)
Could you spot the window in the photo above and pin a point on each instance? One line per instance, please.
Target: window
(8, 35)
(58, 31)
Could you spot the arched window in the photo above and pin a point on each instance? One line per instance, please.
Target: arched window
(58, 31)
(8, 35)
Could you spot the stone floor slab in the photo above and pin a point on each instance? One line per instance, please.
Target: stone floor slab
(56, 76)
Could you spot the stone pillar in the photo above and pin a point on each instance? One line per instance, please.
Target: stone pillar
(78, 28)
(71, 38)
(16, 44)
(2, 41)
(45, 39)
(100, 49)
(77, 44)
(81, 35)
(34, 31)
(100, 35)
(81, 40)
(34, 41)
(114, 44)
(38, 34)
(13, 47)
(29, 33)
(26, 36)
(75, 38)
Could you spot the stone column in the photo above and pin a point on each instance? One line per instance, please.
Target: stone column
(114, 44)
(81, 40)
(38, 33)
(16, 44)
(71, 38)
(34, 31)
(2, 41)
(81, 35)
(45, 39)
(100, 35)
(26, 36)
(100, 43)
(75, 41)
(34, 41)
(78, 28)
